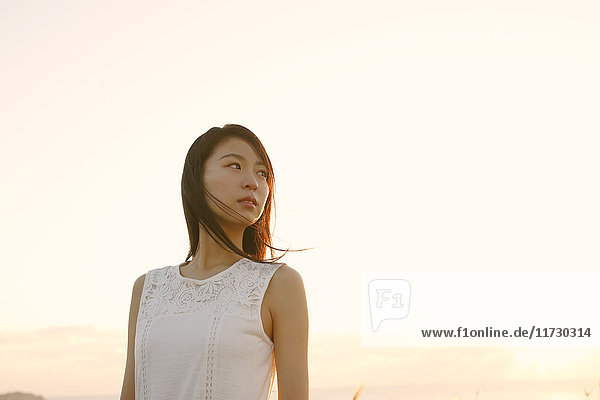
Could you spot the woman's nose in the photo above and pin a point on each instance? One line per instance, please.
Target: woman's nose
(251, 182)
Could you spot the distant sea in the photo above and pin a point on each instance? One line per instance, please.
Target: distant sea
(530, 390)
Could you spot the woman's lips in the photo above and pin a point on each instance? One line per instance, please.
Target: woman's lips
(248, 204)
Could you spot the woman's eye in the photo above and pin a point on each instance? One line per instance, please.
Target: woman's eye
(238, 164)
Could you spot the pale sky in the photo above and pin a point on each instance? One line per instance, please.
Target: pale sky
(405, 136)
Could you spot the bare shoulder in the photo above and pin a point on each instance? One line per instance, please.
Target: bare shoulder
(136, 296)
(139, 283)
(138, 287)
(286, 289)
(286, 278)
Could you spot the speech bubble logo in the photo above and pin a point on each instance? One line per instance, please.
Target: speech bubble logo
(388, 299)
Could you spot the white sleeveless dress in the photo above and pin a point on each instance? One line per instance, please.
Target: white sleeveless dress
(204, 339)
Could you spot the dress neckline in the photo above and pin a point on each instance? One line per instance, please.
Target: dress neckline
(210, 278)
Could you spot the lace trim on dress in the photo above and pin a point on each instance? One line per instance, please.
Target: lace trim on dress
(238, 290)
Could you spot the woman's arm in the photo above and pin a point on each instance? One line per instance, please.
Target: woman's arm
(128, 388)
(289, 312)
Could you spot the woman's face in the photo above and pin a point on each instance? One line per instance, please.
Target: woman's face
(234, 171)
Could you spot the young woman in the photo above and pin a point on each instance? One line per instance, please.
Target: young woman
(218, 326)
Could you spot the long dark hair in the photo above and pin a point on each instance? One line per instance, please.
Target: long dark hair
(257, 237)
